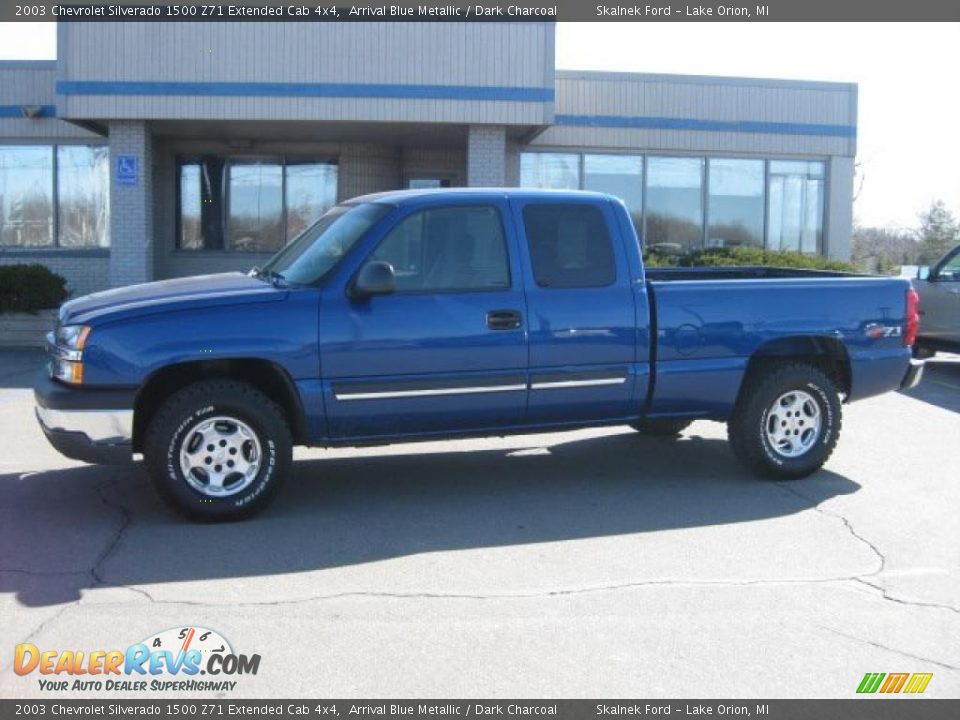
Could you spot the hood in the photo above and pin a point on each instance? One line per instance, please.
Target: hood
(165, 295)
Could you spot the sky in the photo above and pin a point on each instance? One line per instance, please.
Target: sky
(908, 76)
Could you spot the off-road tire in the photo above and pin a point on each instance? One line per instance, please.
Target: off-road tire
(213, 398)
(746, 428)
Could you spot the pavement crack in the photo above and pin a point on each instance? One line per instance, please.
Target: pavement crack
(816, 506)
(96, 570)
(901, 601)
(862, 577)
(496, 596)
(889, 649)
(39, 628)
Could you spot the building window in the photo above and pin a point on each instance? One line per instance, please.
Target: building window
(83, 207)
(569, 245)
(448, 249)
(311, 191)
(256, 206)
(795, 215)
(26, 195)
(674, 203)
(683, 213)
(620, 175)
(54, 196)
(251, 205)
(554, 171)
(735, 203)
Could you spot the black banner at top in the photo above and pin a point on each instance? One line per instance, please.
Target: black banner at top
(483, 11)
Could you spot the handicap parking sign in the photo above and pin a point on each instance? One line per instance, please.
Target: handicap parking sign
(127, 170)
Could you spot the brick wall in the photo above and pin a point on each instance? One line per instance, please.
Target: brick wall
(446, 163)
(366, 169)
(486, 156)
(513, 165)
(131, 206)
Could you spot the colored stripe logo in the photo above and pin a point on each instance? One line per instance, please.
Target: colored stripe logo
(892, 683)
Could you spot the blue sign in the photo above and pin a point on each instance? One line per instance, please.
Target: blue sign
(127, 171)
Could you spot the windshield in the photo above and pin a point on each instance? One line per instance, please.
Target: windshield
(315, 251)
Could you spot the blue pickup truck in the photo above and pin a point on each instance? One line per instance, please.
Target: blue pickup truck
(446, 313)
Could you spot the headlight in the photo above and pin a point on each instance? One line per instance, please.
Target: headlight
(68, 343)
(72, 337)
(67, 371)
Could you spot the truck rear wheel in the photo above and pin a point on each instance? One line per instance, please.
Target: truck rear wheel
(218, 450)
(786, 422)
(661, 426)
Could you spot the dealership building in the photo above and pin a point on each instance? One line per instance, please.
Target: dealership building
(157, 150)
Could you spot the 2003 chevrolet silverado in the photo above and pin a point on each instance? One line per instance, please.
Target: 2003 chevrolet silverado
(432, 314)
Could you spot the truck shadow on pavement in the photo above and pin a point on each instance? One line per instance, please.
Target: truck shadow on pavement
(64, 531)
(941, 383)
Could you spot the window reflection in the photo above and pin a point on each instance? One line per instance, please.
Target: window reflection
(83, 208)
(735, 203)
(554, 171)
(26, 195)
(620, 175)
(676, 217)
(311, 191)
(190, 202)
(674, 203)
(256, 206)
(251, 205)
(795, 215)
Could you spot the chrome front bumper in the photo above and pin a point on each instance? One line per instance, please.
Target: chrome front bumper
(109, 427)
(95, 426)
(101, 437)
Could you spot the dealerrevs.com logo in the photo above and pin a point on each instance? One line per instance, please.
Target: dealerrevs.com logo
(178, 659)
(893, 683)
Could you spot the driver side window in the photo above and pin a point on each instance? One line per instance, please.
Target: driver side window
(448, 249)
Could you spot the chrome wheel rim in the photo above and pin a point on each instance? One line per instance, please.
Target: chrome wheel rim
(793, 424)
(220, 456)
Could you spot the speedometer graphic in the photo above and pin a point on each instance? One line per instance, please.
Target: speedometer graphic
(182, 639)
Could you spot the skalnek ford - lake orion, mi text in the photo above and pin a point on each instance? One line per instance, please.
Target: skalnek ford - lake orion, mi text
(704, 11)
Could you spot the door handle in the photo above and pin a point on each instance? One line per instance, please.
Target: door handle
(504, 319)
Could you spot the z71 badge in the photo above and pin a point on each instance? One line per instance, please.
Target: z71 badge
(875, 331)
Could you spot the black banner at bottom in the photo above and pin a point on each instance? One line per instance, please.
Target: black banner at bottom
(872, 708)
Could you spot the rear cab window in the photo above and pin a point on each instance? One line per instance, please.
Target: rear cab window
(570, 245)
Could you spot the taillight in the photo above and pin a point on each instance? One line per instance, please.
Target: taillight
(913, 318)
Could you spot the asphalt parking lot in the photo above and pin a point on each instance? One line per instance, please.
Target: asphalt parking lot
(581, 564)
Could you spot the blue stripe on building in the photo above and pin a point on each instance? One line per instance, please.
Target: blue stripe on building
(743, 126)
(16, 111)
(317, 90)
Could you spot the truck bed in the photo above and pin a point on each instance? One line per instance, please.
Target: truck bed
(709, 321)
(756, 272)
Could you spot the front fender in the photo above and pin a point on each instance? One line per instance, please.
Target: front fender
(125, 352)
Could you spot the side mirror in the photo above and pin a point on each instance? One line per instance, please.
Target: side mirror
(923, 272)
(375, 278)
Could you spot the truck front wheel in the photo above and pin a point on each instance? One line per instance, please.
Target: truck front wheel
(218, 450)
(786, 422)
